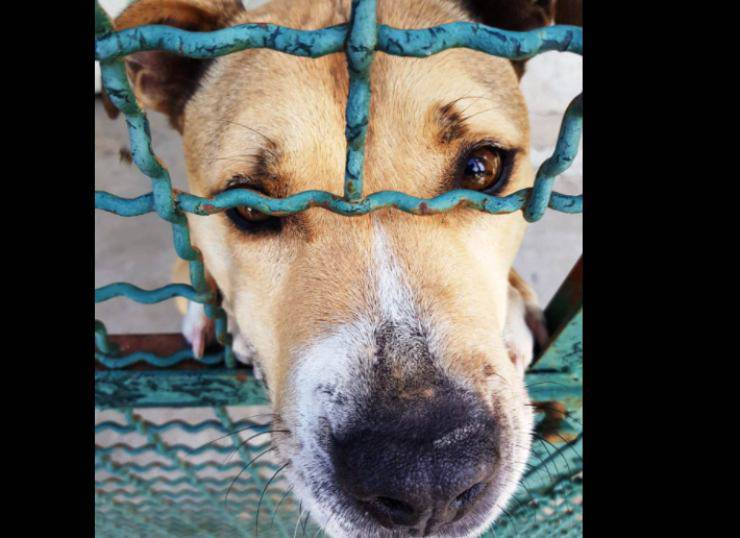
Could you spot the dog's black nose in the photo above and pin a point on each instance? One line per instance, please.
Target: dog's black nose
(427, 467)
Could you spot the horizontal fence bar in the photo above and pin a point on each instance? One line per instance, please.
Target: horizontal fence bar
(316, 43)
(242, 425)
(188, 450)
(210, 465)
(151, 350)
(179, 448)
(185, 495)
(135, 293)
(124, 207)
(177, 388)
(425, 42)
(151, 359)
(167, 482)
(132, 207)
(310, 43)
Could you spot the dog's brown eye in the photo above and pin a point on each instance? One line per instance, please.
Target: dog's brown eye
(482, 168)
(252, 221)
(250, 214)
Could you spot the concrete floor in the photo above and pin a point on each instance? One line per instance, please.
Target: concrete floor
(139, 250)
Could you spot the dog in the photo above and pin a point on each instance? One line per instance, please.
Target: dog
(393, 346)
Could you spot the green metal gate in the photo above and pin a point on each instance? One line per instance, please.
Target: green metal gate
(222, 483)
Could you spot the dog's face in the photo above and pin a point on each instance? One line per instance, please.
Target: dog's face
(386, 340)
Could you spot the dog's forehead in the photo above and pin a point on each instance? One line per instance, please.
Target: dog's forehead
(263, 100)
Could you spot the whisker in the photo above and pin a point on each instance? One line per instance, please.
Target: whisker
(570, 443)
(547, 382)
(520, 484)
(244, 469)
(305, 521)
(300, 515)
(557, 451)
(244, 443)
(530, 469)
(277, 507)
(550, 456)
(518, 502)
(247, 428)
(262, 495)
(529, 492)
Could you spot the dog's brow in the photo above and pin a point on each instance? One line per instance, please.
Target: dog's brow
(254, 170)
(453, 121)
(450, 121)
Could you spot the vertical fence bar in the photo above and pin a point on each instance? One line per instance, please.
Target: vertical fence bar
(361, 42)
(565, 152)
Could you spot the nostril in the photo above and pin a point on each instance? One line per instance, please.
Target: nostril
(394, 505)
(468, 497)
(398, 512)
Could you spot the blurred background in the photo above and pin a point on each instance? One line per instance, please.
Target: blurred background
(139, 250)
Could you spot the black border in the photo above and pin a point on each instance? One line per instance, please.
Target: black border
(47, 235)
(643, 443)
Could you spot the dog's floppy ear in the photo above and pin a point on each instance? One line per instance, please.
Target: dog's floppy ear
(523, 15)
(163, 81)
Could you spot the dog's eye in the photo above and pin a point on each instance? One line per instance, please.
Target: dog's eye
(250, 220)
(482, 169)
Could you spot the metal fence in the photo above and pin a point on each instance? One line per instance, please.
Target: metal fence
(151, 483)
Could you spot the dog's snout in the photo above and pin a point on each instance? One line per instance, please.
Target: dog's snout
(418, 472)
